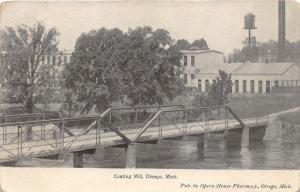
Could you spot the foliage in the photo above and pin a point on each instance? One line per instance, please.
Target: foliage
(265, 49)
(201, 43)
(140, 66)
(218, 92)
(182, 44)
(23, 70)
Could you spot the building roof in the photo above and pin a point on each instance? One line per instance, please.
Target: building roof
(249, 68)
(263, 68)
(199, 51)
(212, 69)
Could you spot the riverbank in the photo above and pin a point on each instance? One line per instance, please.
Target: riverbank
(261, 106)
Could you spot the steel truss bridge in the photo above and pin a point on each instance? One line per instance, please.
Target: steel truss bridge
(34, 136)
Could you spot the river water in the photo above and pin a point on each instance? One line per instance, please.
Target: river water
(279, 150)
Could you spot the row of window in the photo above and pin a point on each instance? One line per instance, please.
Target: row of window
(185, 61)
(237, 87)
(56, 60)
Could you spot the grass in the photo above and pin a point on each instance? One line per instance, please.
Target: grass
(293, 118)
(260, 106)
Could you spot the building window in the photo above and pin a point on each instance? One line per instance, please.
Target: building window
(252, 86)
(185, 61)
(65, 59)
(259, 86)
(236, 84)
(185, 78)
(268, 88)
(193, 61)
(214, 81)
(206, 85)
(276, 84)
(244, 86)
(200, 85)
(192, 76)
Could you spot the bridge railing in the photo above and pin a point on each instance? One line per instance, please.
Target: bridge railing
(172, 123)
(54, 136)
(23, 117)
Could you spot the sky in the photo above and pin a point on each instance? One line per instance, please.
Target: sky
(219, 22)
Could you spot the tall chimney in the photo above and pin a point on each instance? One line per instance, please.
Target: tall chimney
(281, 31)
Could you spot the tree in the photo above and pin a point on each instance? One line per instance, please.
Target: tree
(219, 91)
(200, 43)
(252, 52)
(93, 76)
(137, 67)
(25, 47)
(182, 44)
(153, 67)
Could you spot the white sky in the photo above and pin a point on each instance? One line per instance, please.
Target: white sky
(220, 22)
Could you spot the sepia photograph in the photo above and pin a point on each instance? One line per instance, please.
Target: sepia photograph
(201, 85)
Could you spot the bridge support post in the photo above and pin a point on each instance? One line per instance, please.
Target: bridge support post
(77, 159)
(245, 137)
(131, 155)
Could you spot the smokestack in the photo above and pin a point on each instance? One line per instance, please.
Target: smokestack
(281, 31)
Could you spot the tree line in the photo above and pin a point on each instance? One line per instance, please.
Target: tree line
(264, 50)
(138, 67)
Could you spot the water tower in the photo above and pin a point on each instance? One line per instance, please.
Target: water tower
(249, 25)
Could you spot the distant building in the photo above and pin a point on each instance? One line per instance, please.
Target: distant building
(202, 68)
(194, 60)
(252, 77)
(58, 61)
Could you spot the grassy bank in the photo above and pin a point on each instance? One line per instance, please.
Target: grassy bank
(293, 118)
(259, 106)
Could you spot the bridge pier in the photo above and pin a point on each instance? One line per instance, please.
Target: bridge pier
(233, 138)
(77, 159)
(131, 155)
(256, 134)
(245, 137)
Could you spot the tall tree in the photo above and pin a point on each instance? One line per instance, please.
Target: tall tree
(219, 91)
(93, 76)
(153, 67)
(108, 65)
(25, 48)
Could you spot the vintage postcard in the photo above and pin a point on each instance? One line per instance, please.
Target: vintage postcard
(150, 95)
